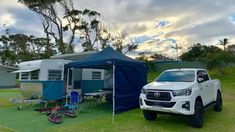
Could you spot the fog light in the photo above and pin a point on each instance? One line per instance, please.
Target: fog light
(186, 105)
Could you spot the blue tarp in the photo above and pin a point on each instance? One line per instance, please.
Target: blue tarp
(130, 75)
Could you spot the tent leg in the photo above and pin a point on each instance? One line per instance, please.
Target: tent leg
(113, 93)
(67, 87)
(72, 80)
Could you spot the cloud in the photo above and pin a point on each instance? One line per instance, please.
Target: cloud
(19, 19)
(7, 19)
(207, 31)
(232, 19)
(26, 21)
(135, 28)
(151, 22)
(161, 23)
(142, 39)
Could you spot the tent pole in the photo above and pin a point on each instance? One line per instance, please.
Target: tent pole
(72, 80)
(67, 87)
(113, 91)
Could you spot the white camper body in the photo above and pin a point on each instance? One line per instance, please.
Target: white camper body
(42, 78)
(43, 67)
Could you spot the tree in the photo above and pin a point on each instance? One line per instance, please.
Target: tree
(212, 56)
(224, 43)
(86, 24)
(231, 49)
(219, 61)
(198, 52)
(159, 57)
(118, 42)
(59, 16)
(16, 48)
(90, 30)
(143, 56)
(193, 53)
(49, 13)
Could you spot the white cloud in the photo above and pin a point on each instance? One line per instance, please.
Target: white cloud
(7, 19)
(186, 21)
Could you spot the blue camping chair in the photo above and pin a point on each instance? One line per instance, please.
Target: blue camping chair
(74, 103)
(75, 100)
(74, 97)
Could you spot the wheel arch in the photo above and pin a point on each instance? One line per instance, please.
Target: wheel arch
(219, 91)
(199, 98)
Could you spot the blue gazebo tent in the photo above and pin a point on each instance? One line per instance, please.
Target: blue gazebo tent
(128, 76)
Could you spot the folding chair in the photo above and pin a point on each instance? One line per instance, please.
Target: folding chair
(32, 100)
(75, 101)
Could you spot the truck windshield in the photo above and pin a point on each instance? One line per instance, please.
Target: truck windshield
(177, 76)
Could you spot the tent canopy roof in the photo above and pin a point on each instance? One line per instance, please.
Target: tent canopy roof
(129, 76)
(107, 56)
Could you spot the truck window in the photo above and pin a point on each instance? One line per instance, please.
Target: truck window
(177, 76)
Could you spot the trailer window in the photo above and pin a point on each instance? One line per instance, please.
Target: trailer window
(24, 75)
(35, 75)
(96, 75)
(54, 74)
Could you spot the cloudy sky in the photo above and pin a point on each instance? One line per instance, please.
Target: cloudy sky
(155, 24)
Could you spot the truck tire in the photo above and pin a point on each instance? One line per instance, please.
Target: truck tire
(196, 120)
(219, 103)
(150, 115)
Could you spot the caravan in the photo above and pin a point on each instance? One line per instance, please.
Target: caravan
(42, 79)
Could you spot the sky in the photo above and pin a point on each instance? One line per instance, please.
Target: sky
(156, 25)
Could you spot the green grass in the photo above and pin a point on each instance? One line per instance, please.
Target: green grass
(5, 95)
(100, 118)
(152, 76)
(28, 120)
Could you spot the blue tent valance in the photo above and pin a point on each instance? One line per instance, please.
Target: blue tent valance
(107, 56)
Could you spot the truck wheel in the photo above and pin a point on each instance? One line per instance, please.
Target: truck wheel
(218, 103)
(150, 115)
(196, 120)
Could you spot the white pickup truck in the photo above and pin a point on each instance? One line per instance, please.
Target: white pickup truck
(181, 91)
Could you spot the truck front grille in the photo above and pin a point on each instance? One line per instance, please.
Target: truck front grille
(161, 104)
(158, 95)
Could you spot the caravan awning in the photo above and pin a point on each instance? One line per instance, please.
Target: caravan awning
(28, 70)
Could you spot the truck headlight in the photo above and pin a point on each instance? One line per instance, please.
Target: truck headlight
(143, 91)
(183, 92)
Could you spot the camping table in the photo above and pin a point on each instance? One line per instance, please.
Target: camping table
(98, 96)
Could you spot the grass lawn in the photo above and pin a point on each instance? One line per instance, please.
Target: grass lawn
(100, 117)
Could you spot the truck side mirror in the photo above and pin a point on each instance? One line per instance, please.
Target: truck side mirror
(200, 79)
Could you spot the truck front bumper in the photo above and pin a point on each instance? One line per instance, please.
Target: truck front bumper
(177, 105)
